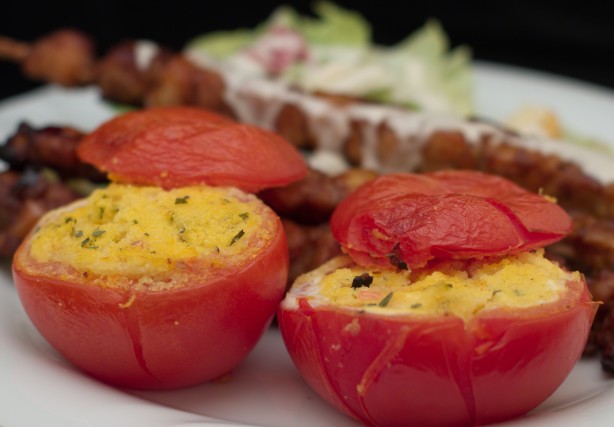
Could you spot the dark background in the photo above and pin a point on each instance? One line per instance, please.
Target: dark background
(575, 40)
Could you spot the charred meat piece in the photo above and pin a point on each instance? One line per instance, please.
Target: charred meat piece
(601, 338)
(589, 247)
(535, 171)
(65, 57)
(51, 147)
(24, 198)
(604, 338)
(313, 199)
(128, 71)
(309, 247)
(180, 82)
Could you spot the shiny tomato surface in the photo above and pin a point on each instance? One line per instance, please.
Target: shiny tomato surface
(158, 339)
(175, 147)
(411, 220)
(395, 368)
(399, 370)
(180, 333)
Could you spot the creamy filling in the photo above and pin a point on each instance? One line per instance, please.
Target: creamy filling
(520, 281)
(140, 231)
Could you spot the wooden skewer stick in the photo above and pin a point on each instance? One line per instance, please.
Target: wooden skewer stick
(14, 50)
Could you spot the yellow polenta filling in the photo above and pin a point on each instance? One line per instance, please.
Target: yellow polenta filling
(518, 281)
(131, 230)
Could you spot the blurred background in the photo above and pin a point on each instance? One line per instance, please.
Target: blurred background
(571, 39)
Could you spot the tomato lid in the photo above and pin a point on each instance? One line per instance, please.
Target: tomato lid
(409, 220)
(181, 146)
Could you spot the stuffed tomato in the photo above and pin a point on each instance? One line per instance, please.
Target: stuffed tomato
(149, 287)
(423, 327)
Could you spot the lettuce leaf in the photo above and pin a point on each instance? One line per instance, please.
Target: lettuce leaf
(431, 74)
(332, 25)
(335, 26)
(420, 72)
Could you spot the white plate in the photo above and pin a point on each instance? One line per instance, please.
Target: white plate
(39, 388)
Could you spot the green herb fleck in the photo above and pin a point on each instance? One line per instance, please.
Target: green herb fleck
(69, 219)
(85, 242)
(416, 305)
(98, 232)
(79, 233)
(244, 216)
(101, 212)
(134, 221)
(182, 200)
(384, 302)
(182, 229)
(237, 237)
(146, 234)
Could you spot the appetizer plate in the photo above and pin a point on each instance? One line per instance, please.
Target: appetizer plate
(39, 388)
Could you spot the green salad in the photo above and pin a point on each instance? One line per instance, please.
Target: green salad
(334, 53)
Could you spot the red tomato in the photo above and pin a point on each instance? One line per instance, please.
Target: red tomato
(180, 146)
(403, 370)
(159, 339)
(407, 219)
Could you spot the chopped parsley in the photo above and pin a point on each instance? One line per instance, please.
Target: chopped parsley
(182, 200)
(98, 232)
(384, 302)
(236, 238)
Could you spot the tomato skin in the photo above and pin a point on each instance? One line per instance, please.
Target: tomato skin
(158, 339)
(174, 147)
(443, 216)
(437, 371)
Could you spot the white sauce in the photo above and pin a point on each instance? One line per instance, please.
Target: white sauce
(144, 53)
(258, 100)
(328, 162)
